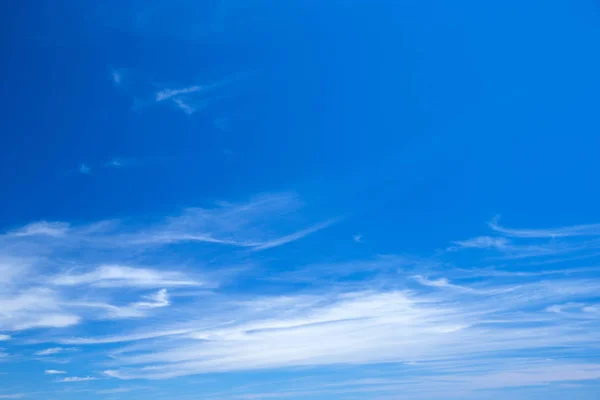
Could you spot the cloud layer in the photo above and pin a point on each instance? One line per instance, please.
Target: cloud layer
(459, 325)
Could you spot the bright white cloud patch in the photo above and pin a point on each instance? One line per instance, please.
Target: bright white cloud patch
(42, 228)
(54, 372)
(140, 305)
(53, 351)
(75, 379)
(34, 308)
(402, 326)
(123, 276)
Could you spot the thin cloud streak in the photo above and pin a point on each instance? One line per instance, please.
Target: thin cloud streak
(124, 338)
(402, 327)
(168, 93)
(75, 379)
(294, 236)
(54, 372)
(122, 276)
(54, 351)
(528, 243)
(566, 231)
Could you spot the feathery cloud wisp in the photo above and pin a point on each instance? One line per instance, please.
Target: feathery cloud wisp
(565, 231)
(42, 228)
(168, 93)
(122, 276)
(54, 372)
(421, 315)
(482, 242)
(158, 299)
(53, 350)
(72, 379)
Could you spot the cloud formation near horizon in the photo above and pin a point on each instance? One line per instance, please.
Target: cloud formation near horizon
(427, 315)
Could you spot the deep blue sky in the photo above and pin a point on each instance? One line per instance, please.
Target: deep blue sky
(174, 165)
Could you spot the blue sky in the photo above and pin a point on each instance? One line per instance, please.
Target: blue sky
(229, 199)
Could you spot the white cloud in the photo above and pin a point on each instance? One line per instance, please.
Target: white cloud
(126, 338)
(42, 228)
(483, 242)
(168, 93)
(401, 327)
(426, 315)
(244, 225)
(565, 231)
(53, 351)
(4, 338)
(183, 106)
(12, 396)
(34, 308)
(54, 372)
(470, 384)
(50, 321)
(441, 283)
(134, 310)
(527, 243)
(292, 237)
(122, 276)
(156, 300)
(72, 379)
(238, 225)
(195, 97)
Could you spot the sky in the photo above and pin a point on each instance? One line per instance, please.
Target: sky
(245, 200)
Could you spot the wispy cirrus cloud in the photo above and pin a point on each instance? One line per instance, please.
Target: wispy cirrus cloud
(130, 337)
(404, 326)
(482, 242)
(194, 98)
(423, 321)
(42, 228)
(166, 94)
(34, 308)
(54, 372)
(53, 351)
(531, 243)
(139, 309)
(48, 268)
(524, 373)
(566, 231)
(146, 92)
(155, 300)
(75, 379)
(424, 315)
(123, 276)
